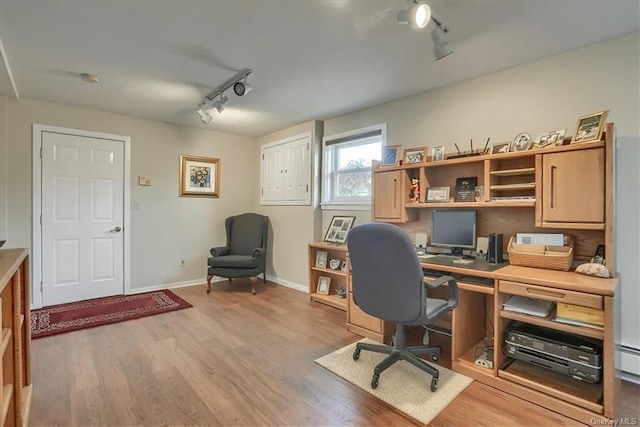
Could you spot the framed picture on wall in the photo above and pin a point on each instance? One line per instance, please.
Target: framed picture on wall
(338, 229)
(199, 176)
(590, 127)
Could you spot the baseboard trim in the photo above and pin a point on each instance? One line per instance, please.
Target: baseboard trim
(172, 285)
(288, 284)
(630, 362)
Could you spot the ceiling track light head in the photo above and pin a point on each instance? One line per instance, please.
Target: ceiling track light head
(441, 47)
(204, 116)
(241, 88)
(417, 16)
(219, 104)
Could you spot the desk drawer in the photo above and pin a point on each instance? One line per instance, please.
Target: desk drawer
(551, 294)
(357, 317)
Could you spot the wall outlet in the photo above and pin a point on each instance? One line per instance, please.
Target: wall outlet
(181, 262)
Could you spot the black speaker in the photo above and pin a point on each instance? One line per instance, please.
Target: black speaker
(494, 250)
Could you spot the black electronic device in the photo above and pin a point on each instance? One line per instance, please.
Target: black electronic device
(454, 228)
(568, 354)
(494, 248)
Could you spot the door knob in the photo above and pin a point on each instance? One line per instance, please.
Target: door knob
(115, 230)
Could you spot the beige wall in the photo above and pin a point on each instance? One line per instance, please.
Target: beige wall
(167, 227)
(292, 227)
(4, 178)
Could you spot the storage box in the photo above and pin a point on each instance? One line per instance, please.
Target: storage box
(580, 313)
(541, 256)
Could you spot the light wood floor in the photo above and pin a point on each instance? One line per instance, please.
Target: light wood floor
(234, 359)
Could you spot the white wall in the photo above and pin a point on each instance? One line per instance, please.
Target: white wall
(167, 227)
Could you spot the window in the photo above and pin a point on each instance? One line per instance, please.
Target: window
(347, 165)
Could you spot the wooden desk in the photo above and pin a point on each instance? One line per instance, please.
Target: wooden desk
(479, 319)
(15, 376)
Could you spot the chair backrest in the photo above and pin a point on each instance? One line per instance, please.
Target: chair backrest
(246, 232)
(386, 274)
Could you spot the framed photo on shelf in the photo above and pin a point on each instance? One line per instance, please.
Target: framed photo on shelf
(391, 155)
(437, 153)
(321, 259)
(323, 285)
(549, 139)
(500, 147)
(199, 176)
(415, 155)
(522, 142)
(590, 127)
(437, 194)
(338, 229)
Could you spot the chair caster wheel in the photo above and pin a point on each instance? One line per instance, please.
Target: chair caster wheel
(434, 384)
(356, 354)
(374, 381)
(435, 357)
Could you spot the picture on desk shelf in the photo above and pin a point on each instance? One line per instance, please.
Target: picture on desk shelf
(391, 155)
(522, 142)
(437, 153)
(338, 229)
(590, 127)
(321, 259)
(501, 147)
(323, 285)
(415, 155)
(437, 194)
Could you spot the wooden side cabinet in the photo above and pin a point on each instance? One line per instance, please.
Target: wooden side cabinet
(15, 376)
(388, 196)
(573, 189)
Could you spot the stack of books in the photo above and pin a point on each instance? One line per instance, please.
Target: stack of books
(578, 315)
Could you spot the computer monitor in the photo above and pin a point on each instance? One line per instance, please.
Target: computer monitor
(454, 228)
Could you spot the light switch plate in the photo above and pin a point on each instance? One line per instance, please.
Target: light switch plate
(143, 180)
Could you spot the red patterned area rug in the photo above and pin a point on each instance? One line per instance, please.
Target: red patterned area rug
(73, 316)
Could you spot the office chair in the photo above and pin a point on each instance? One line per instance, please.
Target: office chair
(245, 254)
(388, 283)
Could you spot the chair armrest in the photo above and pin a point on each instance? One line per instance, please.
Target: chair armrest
(259, 252)
(219, 251)
(453, 294)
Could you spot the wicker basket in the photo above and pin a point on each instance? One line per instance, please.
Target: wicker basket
(541, 256)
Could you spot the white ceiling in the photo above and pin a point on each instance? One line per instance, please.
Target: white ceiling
(312, 59)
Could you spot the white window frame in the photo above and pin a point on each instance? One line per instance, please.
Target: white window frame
(329, 173)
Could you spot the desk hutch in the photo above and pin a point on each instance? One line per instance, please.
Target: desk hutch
(571, 191)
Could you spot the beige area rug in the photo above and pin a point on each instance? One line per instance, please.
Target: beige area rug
(402, 386)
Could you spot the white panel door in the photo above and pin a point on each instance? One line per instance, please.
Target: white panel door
(272, 170)
(82, 218)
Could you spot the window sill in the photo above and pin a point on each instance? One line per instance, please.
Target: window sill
(344, 207)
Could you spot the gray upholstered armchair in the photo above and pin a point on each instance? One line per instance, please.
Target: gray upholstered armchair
(245, 254)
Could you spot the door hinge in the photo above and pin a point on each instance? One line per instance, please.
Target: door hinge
(307, 146)
(262, 191)
(40, 219)
(40, 152)
(41, 285)
(307, 188)
(262, 156)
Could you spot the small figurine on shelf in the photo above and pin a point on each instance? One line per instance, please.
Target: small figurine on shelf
(414, 190)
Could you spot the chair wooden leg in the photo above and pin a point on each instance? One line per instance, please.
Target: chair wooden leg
(264, 277)
(209, 277)
(254, 280)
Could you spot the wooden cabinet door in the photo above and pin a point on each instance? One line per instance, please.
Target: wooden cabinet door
(573, 187)
(387, 197)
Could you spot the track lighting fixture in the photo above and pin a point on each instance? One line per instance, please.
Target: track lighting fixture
(219, 104)
(204, 116)
(240, 88)
(418, 16)
(441, 47)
